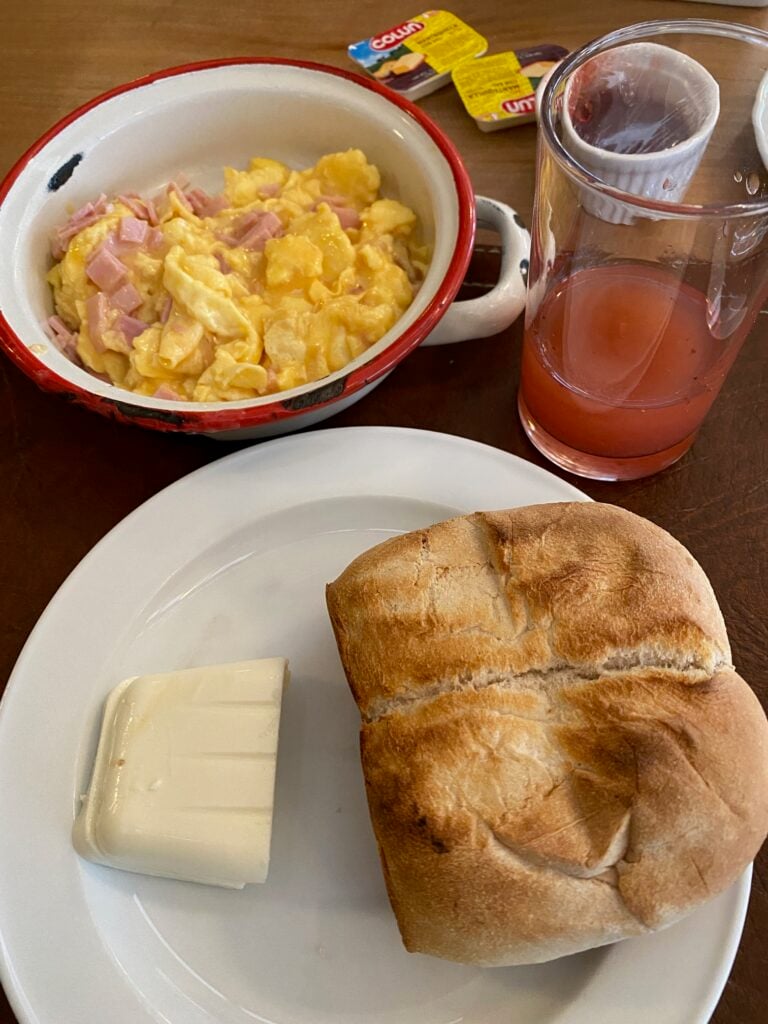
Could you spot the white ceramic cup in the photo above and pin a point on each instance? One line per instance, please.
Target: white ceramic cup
(667, 75)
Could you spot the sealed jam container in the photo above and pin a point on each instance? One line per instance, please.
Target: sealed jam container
(417, 57)
(500, 91)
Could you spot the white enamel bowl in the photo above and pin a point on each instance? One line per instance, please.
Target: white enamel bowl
(198, 118)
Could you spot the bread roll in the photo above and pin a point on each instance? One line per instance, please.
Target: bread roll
(557, 750)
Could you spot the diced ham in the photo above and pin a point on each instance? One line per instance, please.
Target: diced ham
(155, 239)
(257, 233)
(61, 335)
(96, 309)
(252, 230)
(130, 327)
(132, 230)
(348, 216)
(105, 269)
(142, 208)
(331, 201)
(175, 186)
(82, 218)
(134, 202)
(55, 327)
(224, 266)
(115, 246)
(152, 215)
(197, 199)
(203, 204)
(165, 391)
(165, 312)
(110, 245)
(126, 298)
(244, 223)
(271, 189)
(139, 207)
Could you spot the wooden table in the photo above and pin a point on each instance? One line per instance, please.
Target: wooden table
(67, 477)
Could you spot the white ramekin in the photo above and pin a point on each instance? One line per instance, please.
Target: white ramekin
(665, 174)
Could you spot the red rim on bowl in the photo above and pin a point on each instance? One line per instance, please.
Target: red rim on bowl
(191, 420)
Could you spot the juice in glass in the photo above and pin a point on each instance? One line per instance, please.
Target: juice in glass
(619, 369)
(649, 243)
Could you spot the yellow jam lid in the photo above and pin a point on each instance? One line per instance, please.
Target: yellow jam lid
(500, 91)
(417, 56)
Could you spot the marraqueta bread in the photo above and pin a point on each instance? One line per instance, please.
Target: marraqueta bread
(557, 750)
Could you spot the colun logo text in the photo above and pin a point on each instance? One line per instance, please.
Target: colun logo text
(524, 105)
(396, 35)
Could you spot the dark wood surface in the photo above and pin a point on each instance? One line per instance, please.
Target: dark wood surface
(67, 476)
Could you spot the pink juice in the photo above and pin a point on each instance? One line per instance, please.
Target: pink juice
(619, 362)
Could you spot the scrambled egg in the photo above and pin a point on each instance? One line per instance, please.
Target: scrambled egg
(282, 280)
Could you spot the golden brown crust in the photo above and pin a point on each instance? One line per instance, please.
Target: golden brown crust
(495, 593)
(557, 753)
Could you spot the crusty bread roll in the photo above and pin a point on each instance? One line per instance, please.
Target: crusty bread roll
(557, 750)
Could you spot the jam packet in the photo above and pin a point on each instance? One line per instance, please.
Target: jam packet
(500, 91)
(417, 57)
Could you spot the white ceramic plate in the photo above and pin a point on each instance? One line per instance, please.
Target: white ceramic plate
(231, 563)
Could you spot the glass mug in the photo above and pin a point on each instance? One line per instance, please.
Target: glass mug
(649, 259)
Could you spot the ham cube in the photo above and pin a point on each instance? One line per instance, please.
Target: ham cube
(80, 219)
(203, 204)
(61, 335)
(132, 230)
(165, 391)
(144, 209)
(224, 265)
(253, 230)
(126, 298)
(348, 218)
(134, 202)
(155, 239)
(175, 186)
(256, 237)
(105, 270)
(152, 215)
(130, 327)
(96, 310)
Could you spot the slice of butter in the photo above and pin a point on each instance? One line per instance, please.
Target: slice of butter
(184, 778)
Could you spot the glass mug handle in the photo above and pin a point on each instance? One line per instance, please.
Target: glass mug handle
(503, 304)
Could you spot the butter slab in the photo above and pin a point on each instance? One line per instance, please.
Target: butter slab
(184, 776)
